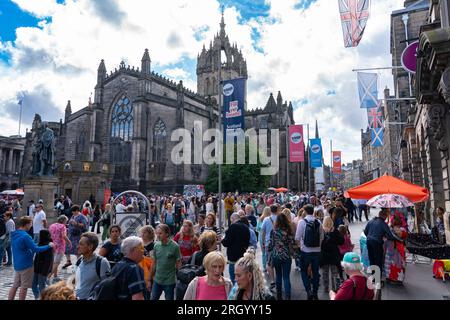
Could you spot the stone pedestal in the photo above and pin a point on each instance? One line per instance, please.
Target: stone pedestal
(44, 188)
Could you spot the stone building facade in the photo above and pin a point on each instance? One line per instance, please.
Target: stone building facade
(122, 139)
(11, 158)
(431, 116)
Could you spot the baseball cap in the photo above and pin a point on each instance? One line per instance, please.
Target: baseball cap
(351, 257)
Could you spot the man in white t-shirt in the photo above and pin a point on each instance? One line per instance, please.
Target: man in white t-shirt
(39, 221)
(120, 207)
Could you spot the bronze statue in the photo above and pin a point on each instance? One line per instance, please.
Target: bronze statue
(44, 152)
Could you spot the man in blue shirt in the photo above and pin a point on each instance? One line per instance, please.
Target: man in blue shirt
(375, 232)
(24, 248)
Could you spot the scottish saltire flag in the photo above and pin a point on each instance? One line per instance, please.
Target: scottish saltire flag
(375, 117)
(377, 137)
(368, 90)
(354, 16)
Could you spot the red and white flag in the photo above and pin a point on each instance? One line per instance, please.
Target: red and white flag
(354, 16)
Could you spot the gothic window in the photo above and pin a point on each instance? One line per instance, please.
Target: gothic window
(122, 120)
(213, 86)
(263, 124)
(80, 152)
(159, 141)
(208, 87)
(121, 130)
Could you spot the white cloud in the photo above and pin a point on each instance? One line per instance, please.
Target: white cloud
(303, 54)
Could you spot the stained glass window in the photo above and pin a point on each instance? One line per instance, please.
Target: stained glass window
(122, 119)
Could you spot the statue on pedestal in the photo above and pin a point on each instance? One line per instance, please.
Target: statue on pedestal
(44, 151)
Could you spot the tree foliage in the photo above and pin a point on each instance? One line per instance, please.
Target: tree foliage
(241, 177)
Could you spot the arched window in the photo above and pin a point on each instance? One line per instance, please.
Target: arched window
(159, 141)
(81, 153)
(122, 120)
(121, 131)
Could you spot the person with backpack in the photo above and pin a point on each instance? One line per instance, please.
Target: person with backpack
(330, 257)
(282, 250)
(127, 275)
(212, 286)
(111, 249)
(355, 287)
(90, 268)
(43, 264)
(207, 244)
(309, 237)
(24, 249)
(167, 259)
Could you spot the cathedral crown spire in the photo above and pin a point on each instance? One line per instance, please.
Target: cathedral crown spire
(222, 25)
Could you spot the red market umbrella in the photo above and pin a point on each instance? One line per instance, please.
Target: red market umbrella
(389, 184)
(281, 190)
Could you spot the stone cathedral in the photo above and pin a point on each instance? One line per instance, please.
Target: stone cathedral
(121, 140)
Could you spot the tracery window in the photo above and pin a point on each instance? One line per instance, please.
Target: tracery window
(121, 131)
(159, 141)
(122, 120)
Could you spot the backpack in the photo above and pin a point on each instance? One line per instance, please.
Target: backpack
(312, 234)
(2, 225)
(98, 264)
(107, 288)
(185, 275)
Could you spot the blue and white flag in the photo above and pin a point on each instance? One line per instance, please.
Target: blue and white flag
(377, 137)
(315, 147)
(368, 89)
(233, 108)
(20, 102)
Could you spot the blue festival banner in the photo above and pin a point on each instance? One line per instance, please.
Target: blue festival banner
(315, 147)
(233, 108)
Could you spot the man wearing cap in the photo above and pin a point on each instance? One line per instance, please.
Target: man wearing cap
(355, 287)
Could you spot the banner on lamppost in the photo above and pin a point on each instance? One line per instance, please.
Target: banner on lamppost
(337, 166)
(233, 108)
(296, 144)
(316, 153)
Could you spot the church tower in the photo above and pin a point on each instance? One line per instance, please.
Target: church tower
(232, 64)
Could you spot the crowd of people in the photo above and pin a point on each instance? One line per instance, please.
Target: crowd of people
(179, 252)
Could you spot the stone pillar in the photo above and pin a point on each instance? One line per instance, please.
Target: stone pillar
(2, 158)
(10, 161)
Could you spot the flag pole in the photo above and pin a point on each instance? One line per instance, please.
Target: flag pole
(20, 114)
(221, 146)
(331, 163)
(309, 164)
